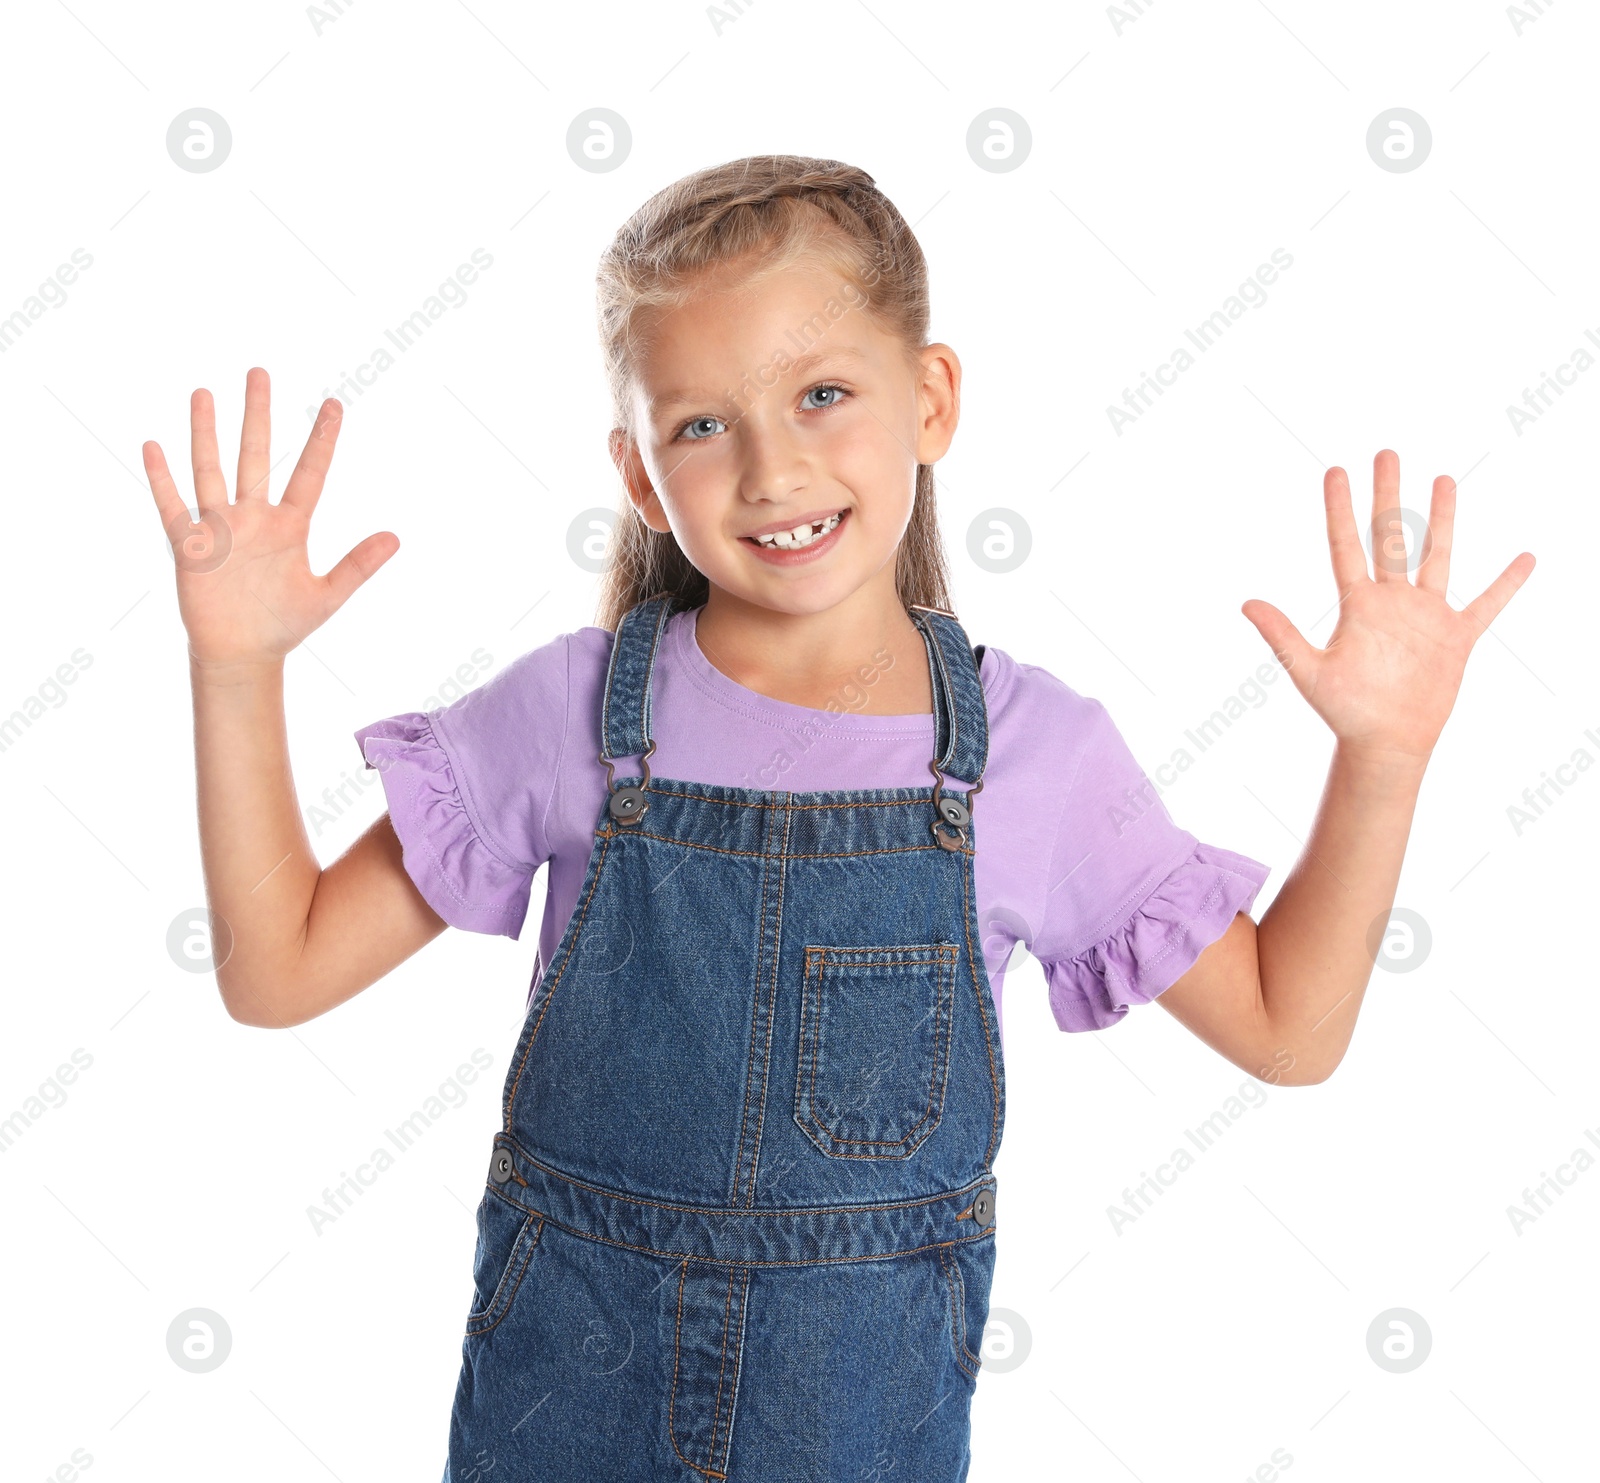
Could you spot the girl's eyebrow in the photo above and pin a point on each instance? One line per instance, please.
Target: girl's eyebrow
(805, 365)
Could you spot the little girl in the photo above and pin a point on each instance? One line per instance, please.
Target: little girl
(795, 824)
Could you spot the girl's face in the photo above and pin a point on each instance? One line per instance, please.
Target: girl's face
(779, 408)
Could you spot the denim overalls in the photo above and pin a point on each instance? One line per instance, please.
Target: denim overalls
(739, 1221)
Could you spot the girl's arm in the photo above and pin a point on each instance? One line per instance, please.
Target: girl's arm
(303, 939)
(1280, 1000)
(291, 939)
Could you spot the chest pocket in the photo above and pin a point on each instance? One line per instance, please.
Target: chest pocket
(874, 1047)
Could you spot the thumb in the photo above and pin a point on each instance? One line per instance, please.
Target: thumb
(1289, 646)
(357, 564)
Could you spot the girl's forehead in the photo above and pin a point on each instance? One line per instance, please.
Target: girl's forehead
(803, 306)
(745, 293)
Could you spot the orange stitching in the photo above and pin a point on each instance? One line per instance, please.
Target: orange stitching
(750, 1061)
(733, 1398)
(511, 1099)
(605, 694)
(734, 1210)
(816, 1016)
(477, 1315)
(952, 1276)
(644, 689)
(916, 802)
(672, 1395)
(722, 1365)
(949, 695)
(983, 1011)
(907, 849)
(949, 689)
(772, 1013)
(943, 957)
(884, 1142)
(931, 952)
(940, 960)
(744, 1261)
(961, 1286)
(941, 1050)
(527, 1259)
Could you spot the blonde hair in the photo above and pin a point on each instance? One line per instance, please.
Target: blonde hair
(769, 210)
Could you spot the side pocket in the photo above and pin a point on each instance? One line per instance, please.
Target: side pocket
(969, 1300)
(507, 1238)
(874, 1047)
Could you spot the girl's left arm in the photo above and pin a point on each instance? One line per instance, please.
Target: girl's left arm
(1280, 999)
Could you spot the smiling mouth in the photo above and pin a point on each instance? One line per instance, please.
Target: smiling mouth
(801, 535)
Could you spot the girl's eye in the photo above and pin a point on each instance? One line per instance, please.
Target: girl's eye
(832, 394)
(702, 427)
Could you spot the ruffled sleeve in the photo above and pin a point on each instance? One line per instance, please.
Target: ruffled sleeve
(1157, 941)
(447, 850)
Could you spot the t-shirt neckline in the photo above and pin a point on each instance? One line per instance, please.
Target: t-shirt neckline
(783, 714)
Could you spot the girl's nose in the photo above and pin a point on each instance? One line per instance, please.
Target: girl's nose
(775, 466)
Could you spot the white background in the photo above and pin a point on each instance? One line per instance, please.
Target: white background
(1171, 153)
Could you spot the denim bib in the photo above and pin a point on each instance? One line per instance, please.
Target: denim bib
(739, 1220)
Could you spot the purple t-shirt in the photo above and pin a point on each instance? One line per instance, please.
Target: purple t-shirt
(1077, 856)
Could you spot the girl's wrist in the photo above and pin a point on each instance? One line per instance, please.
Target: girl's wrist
(1383, 762)
(230, 673)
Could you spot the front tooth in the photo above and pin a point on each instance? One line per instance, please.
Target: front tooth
(800, 535)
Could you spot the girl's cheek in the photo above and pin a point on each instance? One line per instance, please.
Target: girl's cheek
(868, 444)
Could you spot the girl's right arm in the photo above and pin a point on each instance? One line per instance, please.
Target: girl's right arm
(293, 940)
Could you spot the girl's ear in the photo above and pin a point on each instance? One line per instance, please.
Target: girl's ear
(636, 479)
(938, 402)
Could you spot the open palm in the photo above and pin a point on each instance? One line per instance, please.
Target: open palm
(246, 591)
(1388, 677)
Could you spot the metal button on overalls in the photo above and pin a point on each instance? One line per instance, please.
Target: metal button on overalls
(740, 1215)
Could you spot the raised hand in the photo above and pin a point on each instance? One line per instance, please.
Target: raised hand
(246, 591)
(1388, 677)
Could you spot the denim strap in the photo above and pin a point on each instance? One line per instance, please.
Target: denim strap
(961, 722)
(625, 711)
(961, 719)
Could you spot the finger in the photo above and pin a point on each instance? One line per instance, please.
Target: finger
(169, 502)
(1289, 646)
(1388, 534)
(210, 489)
(359, 563)
(305, 483)
(1434, 573)
(255, 442)
(1484, 608)
(1344, 540)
